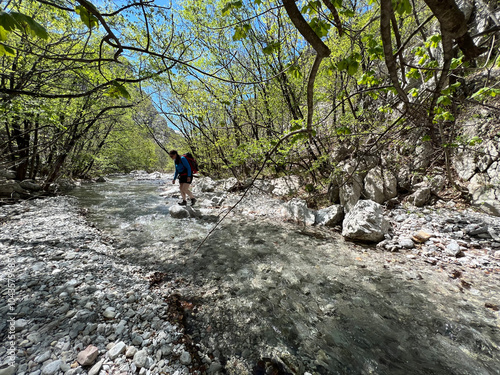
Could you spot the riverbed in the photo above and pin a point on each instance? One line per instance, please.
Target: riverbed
(261, 292)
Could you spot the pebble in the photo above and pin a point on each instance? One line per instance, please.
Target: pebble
(453, 248)
(185, 358)
(52, 367)
(117, 350)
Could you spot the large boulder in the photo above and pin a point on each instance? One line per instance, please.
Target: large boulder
(179, 212)
(206, 185)
(380, 185)
(420, 197)
(298, 211)
(30, 185)
(484, 195)
(11, 188)
(365, 222)
(285, 185)
(330, 216)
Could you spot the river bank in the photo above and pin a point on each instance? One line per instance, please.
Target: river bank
(259, 288)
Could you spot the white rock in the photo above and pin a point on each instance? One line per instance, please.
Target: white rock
(117, 350)
(96, 368)
(420, 197)
(178, 212)
(380, 185)
(365, 222)
(11, 370)
(131, 351)
(330, 216)
(299, 212)
(109, 313)
(140, 358)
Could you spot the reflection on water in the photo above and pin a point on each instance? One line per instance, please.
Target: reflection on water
(320, 306)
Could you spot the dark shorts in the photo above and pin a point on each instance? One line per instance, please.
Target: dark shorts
(183, 180)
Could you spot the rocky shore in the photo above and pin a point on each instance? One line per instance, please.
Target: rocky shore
(84, 304)
(76, 308)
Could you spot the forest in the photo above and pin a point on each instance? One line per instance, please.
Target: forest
(249, 87)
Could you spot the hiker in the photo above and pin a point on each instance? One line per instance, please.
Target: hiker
(183, 170)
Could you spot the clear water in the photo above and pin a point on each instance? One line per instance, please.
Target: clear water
(318, 303)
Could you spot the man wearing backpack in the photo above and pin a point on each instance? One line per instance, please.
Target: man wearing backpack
(185, 172)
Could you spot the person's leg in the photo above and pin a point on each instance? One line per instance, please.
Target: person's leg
(187, 191)
(183, 193)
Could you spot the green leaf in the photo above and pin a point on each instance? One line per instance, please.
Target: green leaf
(117, 90)
(30, 25)
(295, 72)
(88, 19)
(444, 100)
(271, 47)
(413, 92)
(3, 34)
(232, 5)
(320, 27)
(7, 51)
(426, 138)
(258, 2)
(7, 22)
(241, 32)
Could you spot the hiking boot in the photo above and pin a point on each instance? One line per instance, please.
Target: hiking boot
(193, 201)
(183, 203)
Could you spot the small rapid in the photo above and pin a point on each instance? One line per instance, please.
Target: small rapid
(303, 296)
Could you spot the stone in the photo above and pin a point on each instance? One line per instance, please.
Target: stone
(406, 243)
(96, 368)
(421, 236)
(365, 222)
(101, 179)
(453, 248)
(178, 212)
(330, 216)
(52, 367)
(10, 370)
(485, 195)
(88, 356)
(298, 211)
(496, 254)
(421, 197)
(380, 185)
(141, 358)
(350, 190)
(43, 357)
(214, 368)
(30, 185)
(131, 351)
(9, 175)
(436, 183)
(284, 186)
(109, 313)
(185, 358)
(117, 350)
(206, 185)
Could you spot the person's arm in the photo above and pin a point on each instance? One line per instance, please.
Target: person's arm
(186, 165)
(175, 174)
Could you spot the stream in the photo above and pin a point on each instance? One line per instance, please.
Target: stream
(302, 296)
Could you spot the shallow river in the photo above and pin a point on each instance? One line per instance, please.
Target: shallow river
(305, 296)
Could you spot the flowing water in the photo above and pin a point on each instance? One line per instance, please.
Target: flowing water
(305, 296)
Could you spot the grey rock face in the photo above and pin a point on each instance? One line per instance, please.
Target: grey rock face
(380, 185)
(420, 197)
(185, 358)
(365, 222)
(9, 175)
(299, 212)
(485, 195)
(330, 216)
